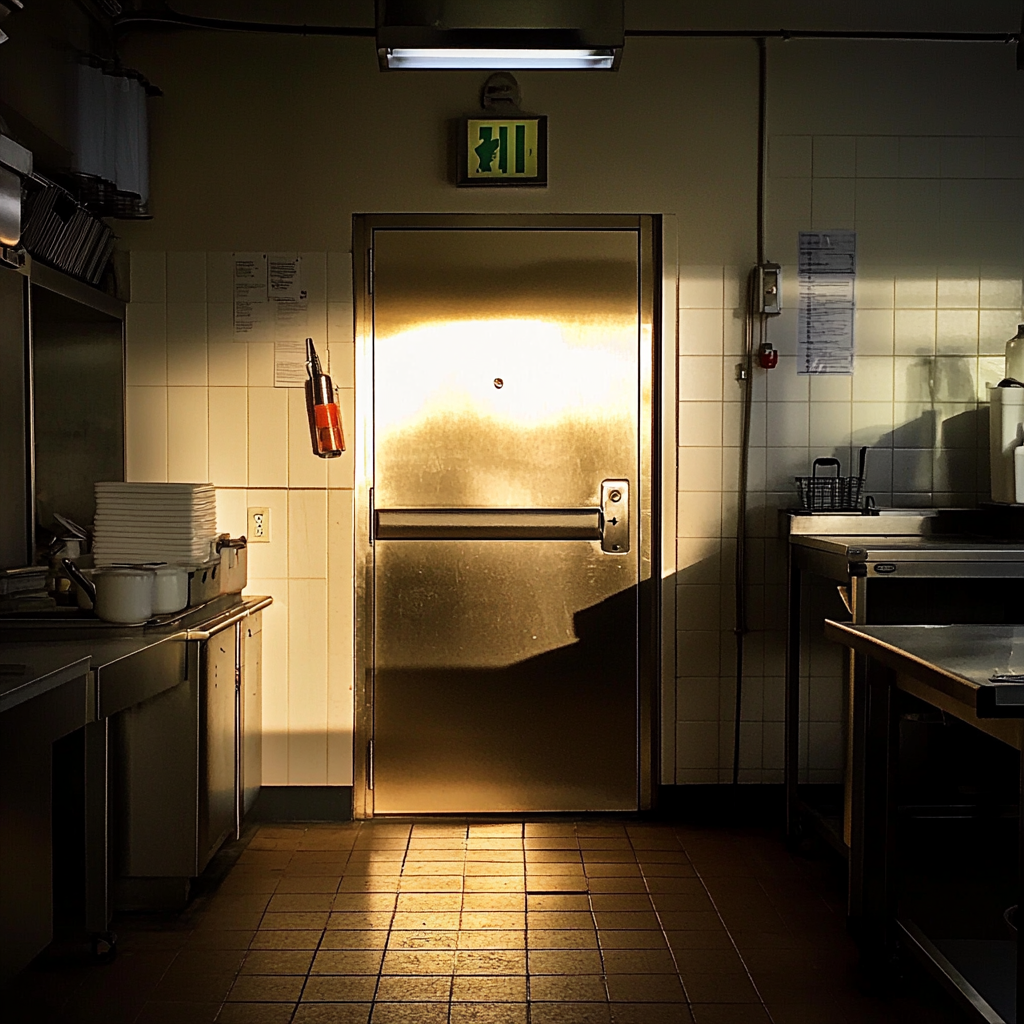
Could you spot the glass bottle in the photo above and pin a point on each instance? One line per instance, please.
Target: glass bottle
(1015, 356)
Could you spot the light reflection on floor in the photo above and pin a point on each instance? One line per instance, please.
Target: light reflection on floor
(553, 922)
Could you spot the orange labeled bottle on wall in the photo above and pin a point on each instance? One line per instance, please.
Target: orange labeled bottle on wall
(322, 408)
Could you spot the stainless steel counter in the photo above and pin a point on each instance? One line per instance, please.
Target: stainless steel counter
(65, 672)
(899, 566)
(956, 661)
(949, 668)
(65, 624)
(27, 672)
(895, 555)
(890, 521)
(44, 643)
(46, 696)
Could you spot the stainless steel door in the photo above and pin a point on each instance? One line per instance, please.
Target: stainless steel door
(507, 480)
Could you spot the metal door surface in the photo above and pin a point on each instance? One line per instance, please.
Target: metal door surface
(506, 516)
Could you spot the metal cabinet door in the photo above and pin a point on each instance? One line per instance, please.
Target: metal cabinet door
(507, 399)
(252, 711)
(217, 750)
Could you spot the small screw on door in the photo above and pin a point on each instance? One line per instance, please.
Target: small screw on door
(615, 495)
(498, 382)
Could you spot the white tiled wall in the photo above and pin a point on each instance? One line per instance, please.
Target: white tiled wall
(940, 228)
(200, 407)
(940, 223)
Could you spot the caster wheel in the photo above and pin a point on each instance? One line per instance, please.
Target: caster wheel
(104, 947)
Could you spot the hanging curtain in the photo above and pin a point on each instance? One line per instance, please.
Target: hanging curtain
(110, 134)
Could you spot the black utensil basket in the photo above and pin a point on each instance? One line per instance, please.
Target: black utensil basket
(829, 493)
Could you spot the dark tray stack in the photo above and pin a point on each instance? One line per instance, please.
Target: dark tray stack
(62, 233)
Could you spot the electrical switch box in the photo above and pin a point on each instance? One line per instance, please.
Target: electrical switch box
(769, 289)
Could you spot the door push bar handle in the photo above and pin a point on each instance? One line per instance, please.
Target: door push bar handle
(488, 524)
(608, 524)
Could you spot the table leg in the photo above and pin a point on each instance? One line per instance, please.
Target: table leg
(27, 735)
(97, 826)
(873, 866)
(1020, 895)
(792, 735)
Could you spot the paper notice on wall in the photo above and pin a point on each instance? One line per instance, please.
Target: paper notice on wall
(825, 326)
(252, 313)
(289, 364)
(287, 296)
(827, 273)
(284, 276)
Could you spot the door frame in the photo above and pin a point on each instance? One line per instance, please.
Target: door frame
(650, 653)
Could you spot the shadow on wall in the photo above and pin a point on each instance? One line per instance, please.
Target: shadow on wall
(943, 449)
(315, 756)
(705, 684)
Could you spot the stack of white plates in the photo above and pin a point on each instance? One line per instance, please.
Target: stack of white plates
(174, 523)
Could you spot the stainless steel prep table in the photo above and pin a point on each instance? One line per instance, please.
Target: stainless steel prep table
(863, 553)
(44, 695)
(74, 674)
(949, 668)
(47, 669)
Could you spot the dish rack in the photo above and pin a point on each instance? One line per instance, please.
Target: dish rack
(831, 493)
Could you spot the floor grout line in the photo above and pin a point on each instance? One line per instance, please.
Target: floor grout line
(597, 934)
(653, 896)
(527, 985)
(320, 941)
(657, 914)
(732, 940)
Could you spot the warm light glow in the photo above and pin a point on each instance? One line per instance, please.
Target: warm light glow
(450, 367)
(499, 60)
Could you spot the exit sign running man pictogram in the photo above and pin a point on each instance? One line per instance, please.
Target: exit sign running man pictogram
(503, 150)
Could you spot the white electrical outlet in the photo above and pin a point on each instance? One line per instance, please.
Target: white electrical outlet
(259, 526)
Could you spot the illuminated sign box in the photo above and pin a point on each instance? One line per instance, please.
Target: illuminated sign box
(503, 151)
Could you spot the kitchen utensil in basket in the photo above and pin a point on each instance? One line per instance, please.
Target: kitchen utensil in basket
(831, 493)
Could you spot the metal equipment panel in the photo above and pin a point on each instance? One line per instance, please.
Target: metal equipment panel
(15, 546)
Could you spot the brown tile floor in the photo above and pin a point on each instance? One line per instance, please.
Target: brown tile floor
(554, 922)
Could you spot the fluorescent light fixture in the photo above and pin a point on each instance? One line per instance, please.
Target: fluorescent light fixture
(483, 59)
(499, 35)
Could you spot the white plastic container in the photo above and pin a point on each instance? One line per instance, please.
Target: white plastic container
(1006, 432)
(124, 595)
(170, 589)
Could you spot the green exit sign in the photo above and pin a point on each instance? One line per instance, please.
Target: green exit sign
(503, 151)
